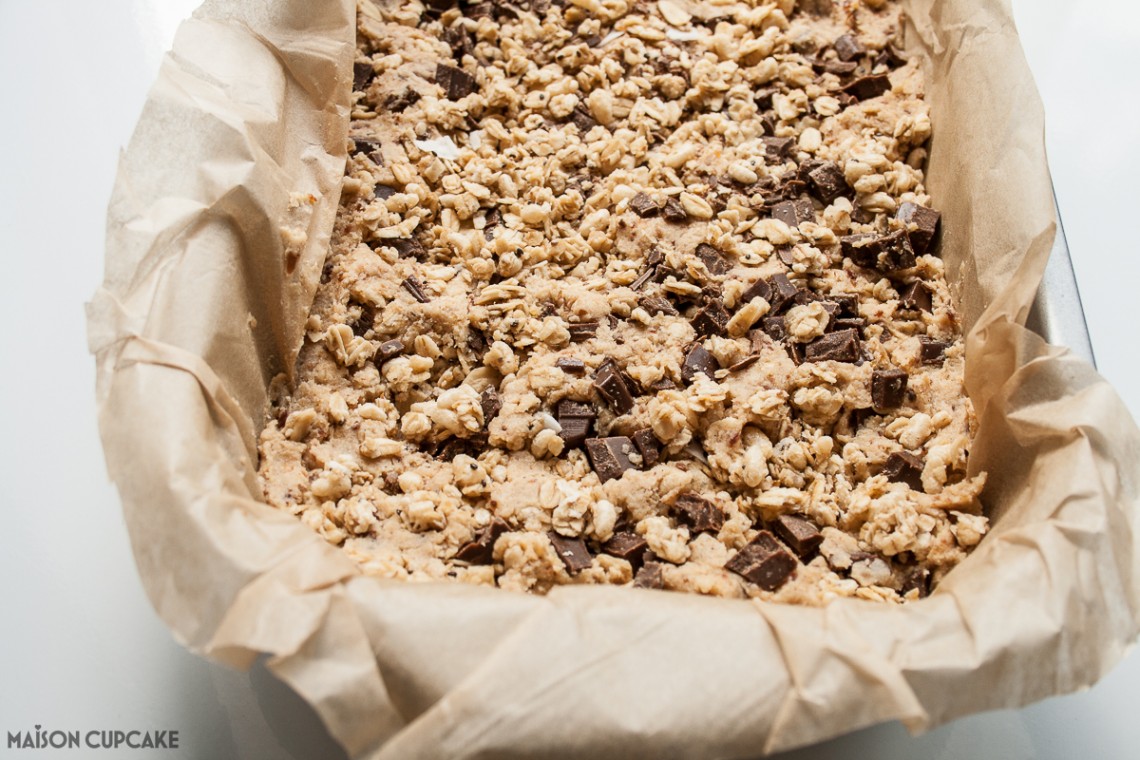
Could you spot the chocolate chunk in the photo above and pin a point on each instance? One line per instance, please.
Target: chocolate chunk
(407, 248)
(778, 148)
(491, 403)
(763, 561)
(698, 360)
(613, 388)
(932, 351)
(383, 192)
(904, 467)
(848, 48)
(649, 576)
(842, 346)
(575, 432)
(839, 68)
(388, 350)
(917, 578)
(794, 213)
(657, 305)
(698, 513)
(646, 443)
(481, 550)
(828, 181)
(744, 363)
(848, 304)
(674, 211)
(644, 206)
(572, 551)
(888, 388)
(774, 327)
(917, 297)
(865, 88)
(369, 147)
(758, 289)
(609, 456)
(570, 410)
(362, 74)
(713, 259)
(399, 102)
(799, 534)
(886, 253)
(416, 288)
(364, 322)
(783, 291)
(626, 545)
(763, 98)
(478, 10)
(664, 384)
(711, 319)
(456, 83)
(583, 119)
(571, 366)
(492, 219)
(922, 225)
(461, 41)
(580, 331)
(847, 323)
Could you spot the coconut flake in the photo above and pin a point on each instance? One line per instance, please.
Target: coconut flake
(444, 147)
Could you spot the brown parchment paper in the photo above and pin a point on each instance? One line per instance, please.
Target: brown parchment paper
(217, 232)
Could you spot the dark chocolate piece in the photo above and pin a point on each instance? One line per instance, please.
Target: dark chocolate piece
(763, 561)
(848, 48)
(575, 431)
(711, 319)
(571, 366)
(362, 324)
(674, 211)
(657, 305)
(763, 98)
(626, 545)
(456, 83)
(572, 551)
(758, 289)
(649, 576)
(609, 456)
(398, 102)
(388, 350)
(568, 409)
(904, 467)
(828, 181)
(744, 363)
(481, 550)
(774, 327)
(613, 388)
(888, 388)
(886, 253)
(794, 213)
(698, 360)
(865, 88)
(416, 288)
(698, 513)
(362, 74)
(713, 259)
(848, 304)
(383, 192)
(491, 403)
(580, 331)
(847, 323)
(644, 206)
(932, 351)
(783, 291)
(583, 119)
(492, 219)
(647, 445)
(841, 346)
(779, 148)
(922, 225)
(917, 297)
(839, 68)
(916, 578)
(407, 248)
(799, 534)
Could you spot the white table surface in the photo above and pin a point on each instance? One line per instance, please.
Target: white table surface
(80, 647)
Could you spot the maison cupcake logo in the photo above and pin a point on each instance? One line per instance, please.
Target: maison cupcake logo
(45, 738)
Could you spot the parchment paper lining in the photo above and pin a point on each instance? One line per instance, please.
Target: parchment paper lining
(203, 303)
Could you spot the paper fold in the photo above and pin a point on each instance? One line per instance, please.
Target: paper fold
(217, 232)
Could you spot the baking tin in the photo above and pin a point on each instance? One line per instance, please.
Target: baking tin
(1057, 314)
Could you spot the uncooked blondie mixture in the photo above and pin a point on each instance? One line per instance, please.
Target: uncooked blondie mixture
(636, 293)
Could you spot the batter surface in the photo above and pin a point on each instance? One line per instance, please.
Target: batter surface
(636, 293)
